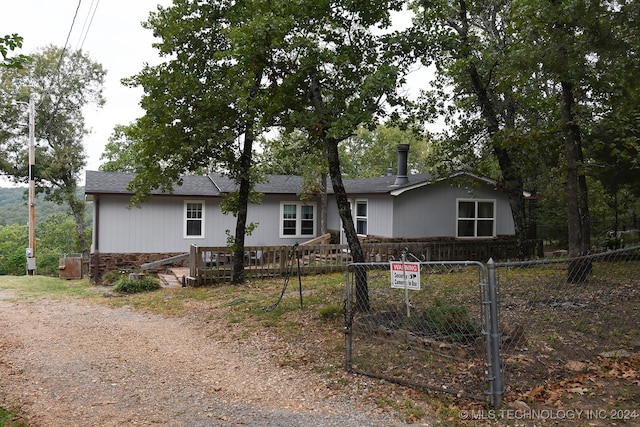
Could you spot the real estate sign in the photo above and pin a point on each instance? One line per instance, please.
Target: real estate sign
(405, 275)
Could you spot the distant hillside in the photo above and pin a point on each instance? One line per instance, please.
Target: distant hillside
(14, 209)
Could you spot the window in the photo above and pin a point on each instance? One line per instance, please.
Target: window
(289, 222)
(476, 218)
(361, 217)
(194, 219)
(297, 220)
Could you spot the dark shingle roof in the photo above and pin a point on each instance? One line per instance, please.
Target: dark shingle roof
(117, 182)
(380, 185)
(274, 184)
(213, 185)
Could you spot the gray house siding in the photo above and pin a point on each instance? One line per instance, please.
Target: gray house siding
(431, 211)
(267, 215)
(157, 227)
(379, 214)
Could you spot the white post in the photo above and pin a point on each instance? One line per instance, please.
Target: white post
(31, 250)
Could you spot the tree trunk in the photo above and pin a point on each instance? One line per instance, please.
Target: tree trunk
(344, 209)
(571, 133)
(585, 216)
(77, 208)
(579, 268)
(323, 204)
(513, 184)
(243, 207)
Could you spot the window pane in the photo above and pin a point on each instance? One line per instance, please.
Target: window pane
(289, 227)
(289, 211)
(306, 212)
(485, 209)
(306, 228)
(485, 228)
(306, 220)
(466, 210)
(194, 210)
(194, 227)
(361, 226)
(361, 209)
(194, 215)
(466, 228)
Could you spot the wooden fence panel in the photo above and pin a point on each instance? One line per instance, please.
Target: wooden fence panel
(215, 264)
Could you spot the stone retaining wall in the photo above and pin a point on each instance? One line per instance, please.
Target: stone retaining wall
(106, 262)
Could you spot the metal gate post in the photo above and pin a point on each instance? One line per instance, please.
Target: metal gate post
(348, 316)
(493, 356)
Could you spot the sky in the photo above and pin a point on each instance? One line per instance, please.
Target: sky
(112, 36)
(110, 32)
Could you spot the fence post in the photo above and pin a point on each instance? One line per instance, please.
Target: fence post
(193, 268)
(348, 318)
(493, 349)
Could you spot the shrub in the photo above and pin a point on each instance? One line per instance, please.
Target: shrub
(15, 264)
(144, 284)
(47, 265)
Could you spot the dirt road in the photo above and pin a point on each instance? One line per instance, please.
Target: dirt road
(75, 363)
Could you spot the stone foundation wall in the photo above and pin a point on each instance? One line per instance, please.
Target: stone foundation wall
(105, 262)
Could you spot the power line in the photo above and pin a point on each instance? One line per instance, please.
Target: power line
(69, 34)
(87, 22)
(56, 79)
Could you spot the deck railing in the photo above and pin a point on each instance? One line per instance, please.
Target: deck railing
(209, 264)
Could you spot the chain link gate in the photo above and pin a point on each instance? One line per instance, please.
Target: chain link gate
(424, 324)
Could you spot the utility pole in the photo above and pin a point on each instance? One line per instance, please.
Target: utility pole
(31, 250)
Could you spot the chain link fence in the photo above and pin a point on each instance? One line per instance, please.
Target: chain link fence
(445, 326)
(565, 322)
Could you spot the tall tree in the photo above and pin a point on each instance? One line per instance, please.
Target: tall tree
(577, 49)
(61, 83)
(344, 75)
(237, 68)
(213, 96)
(120, 152)
(468, 42)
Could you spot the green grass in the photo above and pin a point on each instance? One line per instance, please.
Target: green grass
(43, 286)
(10, 418)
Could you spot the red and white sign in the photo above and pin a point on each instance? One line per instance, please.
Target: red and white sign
(405, 275)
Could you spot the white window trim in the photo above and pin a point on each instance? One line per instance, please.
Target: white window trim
(298, 220)
(184, 220)
(356, 217)
(475, 228)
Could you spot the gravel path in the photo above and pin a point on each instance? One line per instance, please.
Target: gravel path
(71, 363)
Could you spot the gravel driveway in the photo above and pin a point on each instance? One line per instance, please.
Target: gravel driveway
(73, 363)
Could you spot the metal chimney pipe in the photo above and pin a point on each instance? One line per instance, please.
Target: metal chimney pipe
(401, 178)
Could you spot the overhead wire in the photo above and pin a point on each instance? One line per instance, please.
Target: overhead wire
(56, 78)
(87, 23)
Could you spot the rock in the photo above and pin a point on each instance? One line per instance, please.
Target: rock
(615, 353)
(519, 405)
